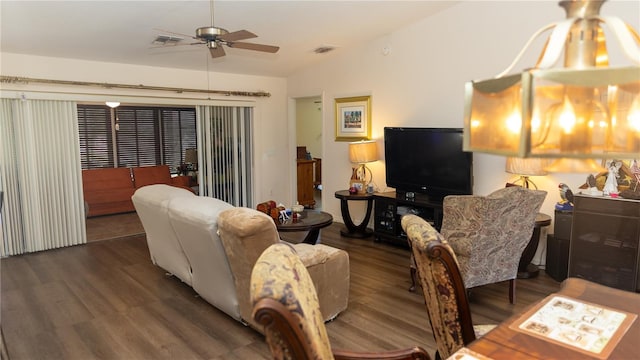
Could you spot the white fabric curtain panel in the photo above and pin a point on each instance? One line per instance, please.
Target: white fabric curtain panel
(225, 164)
(40, 176)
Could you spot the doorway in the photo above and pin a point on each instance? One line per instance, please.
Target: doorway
(309, 147)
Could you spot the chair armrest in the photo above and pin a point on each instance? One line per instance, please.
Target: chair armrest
(415, 353)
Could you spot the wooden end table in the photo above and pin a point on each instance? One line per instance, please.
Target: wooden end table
(308, 220)
(353, 230)
(527, 270)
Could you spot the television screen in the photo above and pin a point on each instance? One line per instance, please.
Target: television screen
(428, 161)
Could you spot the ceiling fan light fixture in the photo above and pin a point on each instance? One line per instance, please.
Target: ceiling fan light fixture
(210, 33)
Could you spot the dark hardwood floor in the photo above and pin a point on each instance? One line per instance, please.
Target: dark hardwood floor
(105, 300)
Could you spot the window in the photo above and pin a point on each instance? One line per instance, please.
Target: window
(94, 125)
(178, 134)
(145, 136)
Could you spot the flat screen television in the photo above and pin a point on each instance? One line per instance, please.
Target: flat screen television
(427, 161)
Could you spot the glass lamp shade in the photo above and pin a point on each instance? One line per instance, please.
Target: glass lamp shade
(361, 152)
(584, 109)
(556, 113)
(112, 104)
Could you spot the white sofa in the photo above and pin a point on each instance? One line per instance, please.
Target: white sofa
(184, 239)
(152, 205)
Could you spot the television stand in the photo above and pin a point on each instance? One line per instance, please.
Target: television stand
(389, 208)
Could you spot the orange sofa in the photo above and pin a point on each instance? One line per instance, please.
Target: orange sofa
(108, 191)
(149, 175)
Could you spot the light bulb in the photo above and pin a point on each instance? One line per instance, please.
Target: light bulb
(514, 122)
(567, 119)
(535, 122)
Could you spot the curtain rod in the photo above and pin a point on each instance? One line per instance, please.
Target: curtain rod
(26, 80)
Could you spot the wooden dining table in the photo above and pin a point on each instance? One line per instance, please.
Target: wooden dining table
(508, 341)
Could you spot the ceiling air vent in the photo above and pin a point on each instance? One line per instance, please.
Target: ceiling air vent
(166, 40)
(323, 49)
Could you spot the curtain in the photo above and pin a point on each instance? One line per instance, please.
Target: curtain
(225, 143)
(40, 176)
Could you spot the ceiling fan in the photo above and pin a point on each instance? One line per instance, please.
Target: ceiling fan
(215, 37)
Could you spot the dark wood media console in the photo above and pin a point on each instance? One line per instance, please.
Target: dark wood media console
(389, 208)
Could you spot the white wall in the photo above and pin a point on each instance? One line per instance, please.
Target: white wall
(273, 173)
(309, 124)
(421, 81)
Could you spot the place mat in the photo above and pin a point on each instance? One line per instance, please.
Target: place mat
(467, 354)
(582, 326)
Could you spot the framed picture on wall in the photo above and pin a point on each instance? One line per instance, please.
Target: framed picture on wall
(353, 118)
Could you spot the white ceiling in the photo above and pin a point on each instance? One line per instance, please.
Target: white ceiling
(123, 31)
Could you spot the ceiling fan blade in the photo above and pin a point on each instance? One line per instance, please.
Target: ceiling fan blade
(237, 35)
(175, 33)
(256, 47)
(217, 51)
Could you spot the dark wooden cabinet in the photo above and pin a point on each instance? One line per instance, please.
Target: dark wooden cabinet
(557, 260)
(605, 233)
(389, 208)
(305, 183)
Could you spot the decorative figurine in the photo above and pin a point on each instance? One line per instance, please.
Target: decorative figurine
(592, 188)
(635, 171)
(566, 196)
(611, 185)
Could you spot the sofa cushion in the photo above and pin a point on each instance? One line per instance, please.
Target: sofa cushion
(329, 270)
(246, 233)
(152, 203)
(195, 221)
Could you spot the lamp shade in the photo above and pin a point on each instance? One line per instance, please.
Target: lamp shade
(584, 109)
(361, 152)
(191, 156)
(112, 104)
(526, 166)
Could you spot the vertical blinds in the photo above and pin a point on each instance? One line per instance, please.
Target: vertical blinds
(40, 175)
(226, 139)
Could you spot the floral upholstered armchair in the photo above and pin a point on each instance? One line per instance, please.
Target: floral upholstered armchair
(489, 233)
(285, 302)
(442, 286)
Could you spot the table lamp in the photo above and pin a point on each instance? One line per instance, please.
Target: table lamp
(361, 153)
(526, 167)
(191, 158)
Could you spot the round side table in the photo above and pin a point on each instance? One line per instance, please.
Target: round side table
(309, 220)
(353, 230)
(527, 270)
